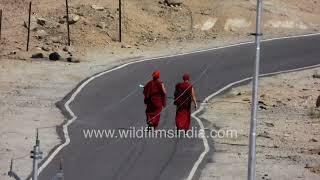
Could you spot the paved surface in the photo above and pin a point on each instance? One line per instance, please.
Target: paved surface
(115, 101)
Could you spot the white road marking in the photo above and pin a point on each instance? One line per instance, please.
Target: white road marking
(205, 141)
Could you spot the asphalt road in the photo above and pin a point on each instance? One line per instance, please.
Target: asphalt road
(114, 101)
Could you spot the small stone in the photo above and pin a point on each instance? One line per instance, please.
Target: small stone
(66, 48)
(101, 25)
(313, 140)
(307, 166)
(263, 103)
(125, 46)
(56, 39)
(61, 21)
(41, 21)
(72, 60)
(281, 103)
(246, 99)
(174, 2)
(73, 18)
(316, 76)
(69, 50)
(98, 8)
(54, 56)
(206, 12)
(45, 48)
(264, 135)
(37, 55)
(69, 59)
(41, 34)
(12, 53)
(110, 16)
(270, 124)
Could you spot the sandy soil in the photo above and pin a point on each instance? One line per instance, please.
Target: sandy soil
(29, 88)
(288, 129)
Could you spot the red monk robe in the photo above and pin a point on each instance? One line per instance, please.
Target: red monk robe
(155, 99)
(184, 95)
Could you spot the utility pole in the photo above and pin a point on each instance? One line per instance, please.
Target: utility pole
(0, 23)
(254, 102)
(36, 155)
(120, 21)
(29, 23)
(68, 24)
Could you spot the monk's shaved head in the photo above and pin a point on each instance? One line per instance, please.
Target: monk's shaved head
(156, 75)
(186, 77)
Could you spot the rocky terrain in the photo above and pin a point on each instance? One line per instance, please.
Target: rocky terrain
(94, 24)
(288, 141)
(30, 87)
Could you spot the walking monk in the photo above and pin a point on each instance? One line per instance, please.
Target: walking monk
(183, 97)
(155, 99)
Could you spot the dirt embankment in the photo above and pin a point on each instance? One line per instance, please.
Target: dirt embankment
(288, 138)
(94, 24)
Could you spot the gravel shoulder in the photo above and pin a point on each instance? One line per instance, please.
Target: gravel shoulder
(287, 133)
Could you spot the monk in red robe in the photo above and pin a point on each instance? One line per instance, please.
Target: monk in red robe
(154, 99)
(184, 95)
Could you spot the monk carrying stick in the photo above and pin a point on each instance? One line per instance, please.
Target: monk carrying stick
(154, 99)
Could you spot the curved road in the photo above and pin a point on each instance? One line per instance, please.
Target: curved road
(114, 101)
